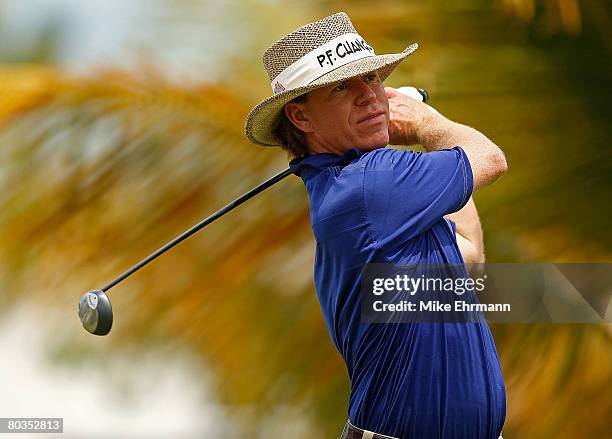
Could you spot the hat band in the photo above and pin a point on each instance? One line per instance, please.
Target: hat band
(325, 58)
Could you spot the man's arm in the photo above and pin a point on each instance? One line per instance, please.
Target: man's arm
(412, 122)
(469, 233)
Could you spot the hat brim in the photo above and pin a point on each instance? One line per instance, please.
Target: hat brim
(263, 117)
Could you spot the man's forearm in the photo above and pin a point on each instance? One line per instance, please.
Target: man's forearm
(486, 158)
(469, 233)
(411, 121)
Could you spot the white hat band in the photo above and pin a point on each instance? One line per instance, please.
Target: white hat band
(325, 58)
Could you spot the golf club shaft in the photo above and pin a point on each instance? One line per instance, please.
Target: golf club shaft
(238, 201)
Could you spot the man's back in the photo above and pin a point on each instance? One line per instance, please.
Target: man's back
(387, 206)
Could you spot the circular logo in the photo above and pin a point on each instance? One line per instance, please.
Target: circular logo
(92, 300)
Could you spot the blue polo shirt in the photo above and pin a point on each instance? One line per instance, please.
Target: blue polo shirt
(409, 380)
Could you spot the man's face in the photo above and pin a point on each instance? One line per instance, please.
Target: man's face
(351, 114)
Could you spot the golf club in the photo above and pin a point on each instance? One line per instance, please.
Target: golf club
(95, 311)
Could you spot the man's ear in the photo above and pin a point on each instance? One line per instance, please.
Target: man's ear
(298, 115)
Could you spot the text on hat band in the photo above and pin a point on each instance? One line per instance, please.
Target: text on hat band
(325, 58)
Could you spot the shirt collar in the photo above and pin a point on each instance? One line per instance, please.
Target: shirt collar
(305, 166)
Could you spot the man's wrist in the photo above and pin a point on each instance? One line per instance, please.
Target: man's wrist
(430, 132)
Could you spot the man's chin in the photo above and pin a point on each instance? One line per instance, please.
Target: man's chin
(377, 142)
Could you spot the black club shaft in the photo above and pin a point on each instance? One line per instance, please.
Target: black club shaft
(219, 213)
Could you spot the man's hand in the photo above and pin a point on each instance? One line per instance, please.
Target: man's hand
(406, 115)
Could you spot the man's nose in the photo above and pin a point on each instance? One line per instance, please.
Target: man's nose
(365, 92)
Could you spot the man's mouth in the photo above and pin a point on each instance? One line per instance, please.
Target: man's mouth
(373, 117)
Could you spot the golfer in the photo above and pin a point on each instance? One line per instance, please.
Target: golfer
(371, 203)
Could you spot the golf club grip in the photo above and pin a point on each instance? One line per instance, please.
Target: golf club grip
(237, 202)
(424, 94)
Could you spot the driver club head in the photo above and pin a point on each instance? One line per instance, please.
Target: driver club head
(95, 312)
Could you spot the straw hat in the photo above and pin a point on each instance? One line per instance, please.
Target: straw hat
(315, 55)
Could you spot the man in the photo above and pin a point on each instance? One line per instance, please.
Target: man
(369, 203)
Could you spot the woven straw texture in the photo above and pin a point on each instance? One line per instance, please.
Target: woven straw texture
(307, 38)
(263, 117)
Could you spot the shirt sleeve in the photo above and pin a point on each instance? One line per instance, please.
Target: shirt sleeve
(407, 192)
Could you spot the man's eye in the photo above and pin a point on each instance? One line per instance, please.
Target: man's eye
(372, 77)
(341, 87)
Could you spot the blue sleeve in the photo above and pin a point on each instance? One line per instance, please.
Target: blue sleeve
(407, 192)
